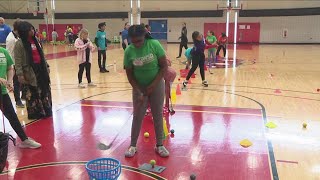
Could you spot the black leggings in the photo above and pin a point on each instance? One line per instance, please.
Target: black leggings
(224, 50)
(185, 45)
(17, 88)
(11, 115)
(102, 53)
(87, 66)
(197, 60)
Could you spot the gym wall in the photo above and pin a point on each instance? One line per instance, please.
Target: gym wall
(300, 29)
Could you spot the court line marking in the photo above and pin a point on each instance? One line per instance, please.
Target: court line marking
(286, 161)
(50, 164)
(272, 161)
(177, 110)
(269, 143)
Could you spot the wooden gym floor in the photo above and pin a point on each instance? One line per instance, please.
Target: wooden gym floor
(275, 83)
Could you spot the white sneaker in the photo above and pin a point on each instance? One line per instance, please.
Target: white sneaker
(130, 152)
(162, 151)
(91, 84)
(30, 143)
(81, 85)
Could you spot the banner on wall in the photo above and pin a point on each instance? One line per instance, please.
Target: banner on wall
(285, 33)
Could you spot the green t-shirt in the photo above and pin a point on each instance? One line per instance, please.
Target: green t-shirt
(5, 63)
(211, 40)
(144, 60)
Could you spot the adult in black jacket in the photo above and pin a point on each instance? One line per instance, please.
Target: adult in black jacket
(183, 38)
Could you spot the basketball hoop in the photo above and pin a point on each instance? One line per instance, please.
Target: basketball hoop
(35, 13)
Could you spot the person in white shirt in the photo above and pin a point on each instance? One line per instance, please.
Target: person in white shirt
(11, 40)
(54, 35)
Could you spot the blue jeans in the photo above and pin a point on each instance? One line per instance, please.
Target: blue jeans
(211, 57)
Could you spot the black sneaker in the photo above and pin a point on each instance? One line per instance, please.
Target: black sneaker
(105, 70)
(19, 104)
(185, 83)
(102, 71)
(205, 83)
(178, 57)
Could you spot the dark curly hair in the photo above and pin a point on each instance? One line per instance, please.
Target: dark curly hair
(138, 31)
(195, 34)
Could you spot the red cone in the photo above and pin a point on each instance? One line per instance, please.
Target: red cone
(178, 90)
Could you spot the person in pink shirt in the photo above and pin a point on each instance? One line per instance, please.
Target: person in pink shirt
(84, 48)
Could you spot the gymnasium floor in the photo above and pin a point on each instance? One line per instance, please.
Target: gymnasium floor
(281, 86)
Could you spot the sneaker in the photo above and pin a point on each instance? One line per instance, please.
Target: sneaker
(162, 151)
(105, 70)
(30, 143)
(205, 83)
(81, 85)
(130, 152)
(19, 104)
(91, 84)
(102, 71)
(185, 83)
(178, 57)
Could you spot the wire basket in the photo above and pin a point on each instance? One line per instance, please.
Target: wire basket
(104, 169)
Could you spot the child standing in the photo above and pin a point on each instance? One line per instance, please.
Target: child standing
(101, 42)
(44, 36)
(84, 49)
(70, 35)
(54, 35)
(211, 39)
(6, 76)
(222, 41)
(198, 57)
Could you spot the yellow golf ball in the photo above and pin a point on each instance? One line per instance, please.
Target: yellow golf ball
(152, 162)
(304, 125)
(146, 134)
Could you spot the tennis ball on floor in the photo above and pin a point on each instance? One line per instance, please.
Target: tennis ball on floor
(304, 125)
(172, 131)
(152, 162)
(146, 134)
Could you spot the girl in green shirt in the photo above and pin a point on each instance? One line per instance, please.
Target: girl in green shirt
(211, 39)
(145, 63)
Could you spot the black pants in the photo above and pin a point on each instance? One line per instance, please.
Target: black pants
(70, 38)
(87, 66)
(10, 114)
(197, 60)
(182, 44)
(17, 89)
(224, 50)
(102, 53)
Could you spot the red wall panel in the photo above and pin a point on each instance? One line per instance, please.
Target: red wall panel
(60, 28)
(246, 32)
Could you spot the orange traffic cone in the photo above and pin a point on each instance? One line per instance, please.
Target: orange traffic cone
(178, 90)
